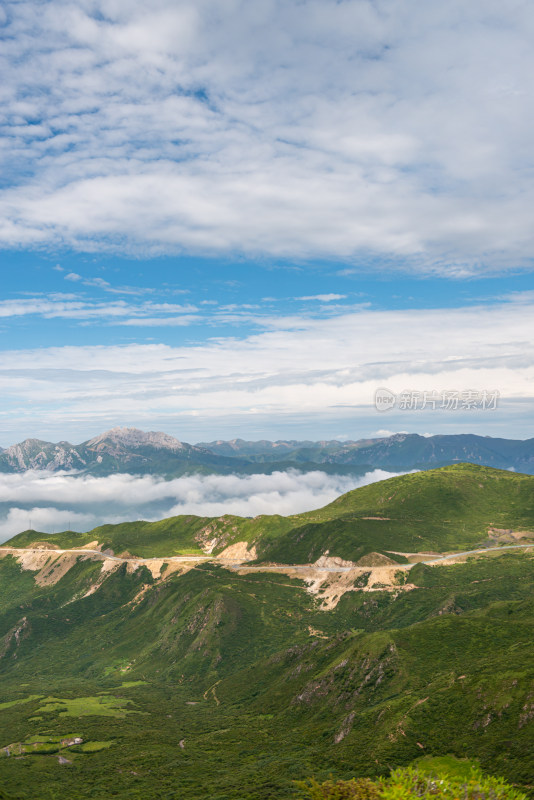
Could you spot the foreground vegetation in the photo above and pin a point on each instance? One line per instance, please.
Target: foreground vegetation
(414, 782)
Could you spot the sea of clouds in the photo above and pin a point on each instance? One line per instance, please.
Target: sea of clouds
(54, 502)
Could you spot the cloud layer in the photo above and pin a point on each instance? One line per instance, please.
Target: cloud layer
(295, 368)
(311, 129)
(54, 502)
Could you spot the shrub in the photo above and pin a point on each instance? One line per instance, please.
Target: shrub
(408, 784)
(361, 789)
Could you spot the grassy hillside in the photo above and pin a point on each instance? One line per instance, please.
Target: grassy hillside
(461, 492)
(259, 685)
(450, 508)
(171, 536)
(167, 537)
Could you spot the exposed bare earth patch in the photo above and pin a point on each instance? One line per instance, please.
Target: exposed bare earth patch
(329, 578)
(217, 534)
(238, 552)
(45, 546)
(51, 564)
(13, 637)
(332, 562)
(54, 571)
(331, 587)
(506, 535)
(48, 566)
(376, 560)
(108, 566)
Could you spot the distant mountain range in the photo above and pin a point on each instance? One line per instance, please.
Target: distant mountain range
(402, 450)
(138, 452)
(117, 450)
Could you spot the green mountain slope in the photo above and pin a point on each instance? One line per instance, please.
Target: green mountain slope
(228, 665)
(450, 508)
(441, 510)
(217, 684)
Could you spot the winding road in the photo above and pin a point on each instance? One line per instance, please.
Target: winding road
(123, 559)
(244, 565)
(480, 550)
(434, 561)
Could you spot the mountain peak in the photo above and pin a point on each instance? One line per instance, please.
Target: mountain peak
(134, 437)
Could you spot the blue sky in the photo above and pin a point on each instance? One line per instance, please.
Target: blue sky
(225, 219)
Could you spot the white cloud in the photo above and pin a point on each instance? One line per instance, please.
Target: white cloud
(148, 322)
(45, 520)
(325, 298)
(297, 366)
(69, 306)
(54, 502)
(321, 128)
(100, 283)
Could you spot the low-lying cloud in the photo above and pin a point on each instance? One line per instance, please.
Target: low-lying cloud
(51, 503)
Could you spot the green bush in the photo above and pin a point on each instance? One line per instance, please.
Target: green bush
(361, 789)
(408, 783)
(4, 796)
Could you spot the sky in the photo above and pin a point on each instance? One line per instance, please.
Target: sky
(228, 219)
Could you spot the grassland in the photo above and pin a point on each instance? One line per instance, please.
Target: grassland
(101, 705)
